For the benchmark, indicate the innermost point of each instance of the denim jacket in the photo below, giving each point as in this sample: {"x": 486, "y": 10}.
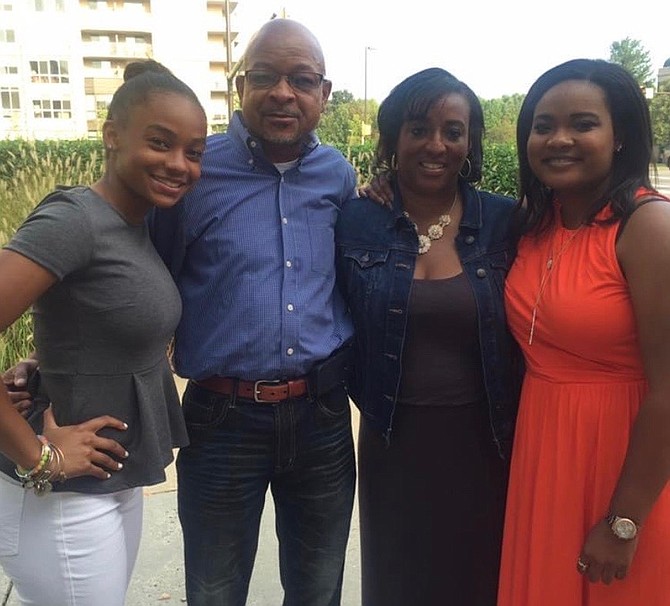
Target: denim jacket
{"x": 377, "y": 249}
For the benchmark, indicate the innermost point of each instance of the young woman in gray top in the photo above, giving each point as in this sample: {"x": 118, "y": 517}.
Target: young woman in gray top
{"x": 105, "y": 309}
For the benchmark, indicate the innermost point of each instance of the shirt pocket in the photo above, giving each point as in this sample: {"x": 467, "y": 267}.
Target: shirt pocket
{"x": 366, "y": 272}
{"x": 11, "y": 512}
{"x": 322, "y": 248}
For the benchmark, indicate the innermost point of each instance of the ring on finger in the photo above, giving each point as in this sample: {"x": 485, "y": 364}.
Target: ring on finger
{"x": 582, "y": 566}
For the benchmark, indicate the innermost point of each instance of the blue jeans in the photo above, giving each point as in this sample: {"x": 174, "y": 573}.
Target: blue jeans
{"x": 302, "y": 449}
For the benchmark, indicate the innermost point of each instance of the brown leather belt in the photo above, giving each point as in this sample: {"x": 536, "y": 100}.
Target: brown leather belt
{"x": 263, "y": 392}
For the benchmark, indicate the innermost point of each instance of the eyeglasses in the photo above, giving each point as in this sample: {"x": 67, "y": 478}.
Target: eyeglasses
{"x": 302, "y": 81}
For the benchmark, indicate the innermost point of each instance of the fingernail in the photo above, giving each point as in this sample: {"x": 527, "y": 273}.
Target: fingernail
{"x": 125, "y": 426}
{"x": 109, "y": 475}
{"x": 119, "y": 465}
{"x": 126, "y": 454}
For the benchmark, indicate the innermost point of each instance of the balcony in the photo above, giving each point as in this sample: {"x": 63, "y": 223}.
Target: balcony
{"x": 220, "y": 4}
{"x": 121, "y": 50}
{"x": 116, "y": 21}
{"x": 101, "y": 86}
{"x": 220, "y": 84}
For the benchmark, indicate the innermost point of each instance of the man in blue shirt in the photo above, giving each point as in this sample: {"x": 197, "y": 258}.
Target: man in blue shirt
{"x": 263, "y": 335}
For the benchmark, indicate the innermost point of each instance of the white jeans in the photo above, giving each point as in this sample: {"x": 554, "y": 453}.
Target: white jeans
{"x": 69, "y": 549}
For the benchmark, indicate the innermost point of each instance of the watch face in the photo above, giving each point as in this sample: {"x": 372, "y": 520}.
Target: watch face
{"x": 624, "y": 528}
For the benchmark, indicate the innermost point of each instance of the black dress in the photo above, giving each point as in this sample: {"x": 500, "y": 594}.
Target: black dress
{"x": 432, "y": 502}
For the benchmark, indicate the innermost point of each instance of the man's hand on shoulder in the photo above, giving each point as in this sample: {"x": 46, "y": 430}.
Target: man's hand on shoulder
{"x": 17, "y": 379}
{"x": 378, "y": 190}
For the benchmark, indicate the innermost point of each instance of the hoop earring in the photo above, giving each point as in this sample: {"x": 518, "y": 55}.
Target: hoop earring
{"x": 466, "y": 175}
{"x": 394, "y": 162}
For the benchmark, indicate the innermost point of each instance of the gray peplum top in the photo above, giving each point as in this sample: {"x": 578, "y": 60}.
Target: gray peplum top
{"x": 102, "y": 330}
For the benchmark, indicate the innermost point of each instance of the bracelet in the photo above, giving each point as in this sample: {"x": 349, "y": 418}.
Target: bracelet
{"x": 44, "y": 458}
{"x": 40, "y": 477}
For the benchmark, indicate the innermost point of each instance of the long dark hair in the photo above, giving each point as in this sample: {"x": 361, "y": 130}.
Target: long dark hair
{"x": 412, "y": 100}
{"x": 632, "y": 130}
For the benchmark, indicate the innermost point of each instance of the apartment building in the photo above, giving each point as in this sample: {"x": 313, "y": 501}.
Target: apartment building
{"x": 61, "y": 60}
{"x": 664, "y": 74}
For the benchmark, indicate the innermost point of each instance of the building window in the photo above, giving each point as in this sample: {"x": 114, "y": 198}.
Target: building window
{"x": 55, "y": 72}
{"x": 6, "y": 7}
{"x": 9, "y": 69}
{"x": 7, "y": 35}
{"x": 49, "y": 5}
{"x": 9, "y": 98}
{"x": 52, "y": 108}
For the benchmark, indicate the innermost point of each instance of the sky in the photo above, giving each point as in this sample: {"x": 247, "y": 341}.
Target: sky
{"x": 497, "y": 47}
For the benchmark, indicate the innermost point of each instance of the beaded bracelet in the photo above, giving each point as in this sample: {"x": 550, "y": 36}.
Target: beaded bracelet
{"x": 40, "y": 477}
{"x": 44, "y": 458}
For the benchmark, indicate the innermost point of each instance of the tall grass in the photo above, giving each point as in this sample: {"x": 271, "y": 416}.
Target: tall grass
{"x": 33, "y": 176}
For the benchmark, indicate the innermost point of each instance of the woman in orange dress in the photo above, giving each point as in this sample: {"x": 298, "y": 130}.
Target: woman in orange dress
{"x": 588, "y": 299}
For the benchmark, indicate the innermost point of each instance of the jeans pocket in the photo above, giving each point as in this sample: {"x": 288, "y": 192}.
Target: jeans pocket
{"x": 11, "y": 511}
{"x": 334, "y": 404}
{"x": 204, "y": 409}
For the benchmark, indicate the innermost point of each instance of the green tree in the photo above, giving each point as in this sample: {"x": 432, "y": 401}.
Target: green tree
{"x": 500, "y": 117}
{"x": 340, "y": 124}
{"x": 660, "y": 117}
{"x": 632, "y": 55}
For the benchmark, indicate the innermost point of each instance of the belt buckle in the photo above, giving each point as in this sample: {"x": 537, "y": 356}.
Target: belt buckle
{"x": 257, "y": 391}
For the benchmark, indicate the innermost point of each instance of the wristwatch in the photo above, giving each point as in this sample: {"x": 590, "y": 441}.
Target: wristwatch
{"x": 623, "y": 528}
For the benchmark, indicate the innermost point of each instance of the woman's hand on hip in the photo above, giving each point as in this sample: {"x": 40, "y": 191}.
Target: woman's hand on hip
{"x": 84, "y": 452}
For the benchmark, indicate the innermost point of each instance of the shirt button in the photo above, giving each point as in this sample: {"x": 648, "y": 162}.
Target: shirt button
{"x": 481, "y": 273}
{"x": 284, "y": 220}
{"x": 252, "y": 144}
{"x": 289, "y": 264}
{"x": 289, "y": 307}
{"x": 469, "y": 239}
{"x": 289, "y": 351}
{"x": 365, "y": 258}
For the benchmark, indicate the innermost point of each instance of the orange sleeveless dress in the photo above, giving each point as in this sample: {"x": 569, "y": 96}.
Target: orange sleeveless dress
{"x": 583, "y": 388}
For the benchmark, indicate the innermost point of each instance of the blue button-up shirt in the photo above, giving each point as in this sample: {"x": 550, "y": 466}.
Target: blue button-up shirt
{"x": 252, "y": 251}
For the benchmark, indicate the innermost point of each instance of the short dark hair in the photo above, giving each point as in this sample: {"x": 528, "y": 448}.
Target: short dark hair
{"x": 412, "y": 99}
{"x": 142, "y": 79}
{"x": 632, "y": 130}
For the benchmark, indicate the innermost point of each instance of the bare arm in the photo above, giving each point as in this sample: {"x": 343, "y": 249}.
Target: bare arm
{"x": 644, "y": 254}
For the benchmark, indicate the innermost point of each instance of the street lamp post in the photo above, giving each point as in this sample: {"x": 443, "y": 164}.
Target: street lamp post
{"x": 365, "y": 128}
{"x": 365, "y": 85}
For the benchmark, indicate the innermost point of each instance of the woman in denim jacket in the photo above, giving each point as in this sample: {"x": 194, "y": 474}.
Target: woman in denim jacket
{"x": 435, "y": 373}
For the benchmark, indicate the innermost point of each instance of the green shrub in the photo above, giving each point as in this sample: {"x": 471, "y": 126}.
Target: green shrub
{"x": 30, "y": 171}
{"x": 361, "y": 158}
{"x": 20, "y": 154}
{"x": 500, "y": 170}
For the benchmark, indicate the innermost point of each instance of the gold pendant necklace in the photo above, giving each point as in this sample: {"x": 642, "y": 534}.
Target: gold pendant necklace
{"x": 436, "y": 230}
{"x": 552, "y": 260}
